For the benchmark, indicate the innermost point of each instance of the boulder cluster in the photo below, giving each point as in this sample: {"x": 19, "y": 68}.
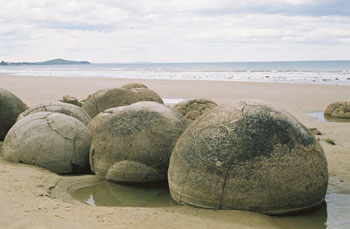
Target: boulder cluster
{"x": 247, "y": 155}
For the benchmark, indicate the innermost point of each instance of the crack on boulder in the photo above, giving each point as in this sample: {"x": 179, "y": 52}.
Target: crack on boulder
{"x": 58, "y": 132}
{"x": 231, "y": 161}
{"x": 96, "y": 106}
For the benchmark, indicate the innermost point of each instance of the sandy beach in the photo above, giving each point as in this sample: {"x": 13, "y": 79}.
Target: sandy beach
{"x": 26, "y": 192}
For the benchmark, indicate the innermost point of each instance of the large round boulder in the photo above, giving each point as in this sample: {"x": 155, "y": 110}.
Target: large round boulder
{"x": 59, "y": 107}
{"x": 248, "y": 155}
{"x": 194, "y": 108}
{"x": 10, "y": 107}
{"x": 50, "y": 140}
{"x": 145, "y": 93}
{"x": 133, "y": 143}
{"x": 108, "y": 98}
{"x": 339, "y": 110}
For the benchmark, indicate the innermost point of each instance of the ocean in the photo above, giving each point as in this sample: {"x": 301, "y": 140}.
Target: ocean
{"x": 313, "y": 72}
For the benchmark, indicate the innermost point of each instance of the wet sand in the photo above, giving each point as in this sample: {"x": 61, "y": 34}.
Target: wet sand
{"x": 27, "y": 193}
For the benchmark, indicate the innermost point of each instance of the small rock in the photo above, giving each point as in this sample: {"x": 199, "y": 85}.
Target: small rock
{"x": 71, "y": 100}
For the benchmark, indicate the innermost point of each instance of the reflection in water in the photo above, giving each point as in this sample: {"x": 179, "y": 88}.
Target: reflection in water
{"x": 125, "y": 195}
{"x": 335, "y": 213}
{"x": 324, "y": 118}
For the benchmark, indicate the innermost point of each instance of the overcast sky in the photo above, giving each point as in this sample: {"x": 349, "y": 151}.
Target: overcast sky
{"x": 174, "y": 30}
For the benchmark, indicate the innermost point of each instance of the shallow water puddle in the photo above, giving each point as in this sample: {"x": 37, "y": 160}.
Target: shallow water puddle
{"x": 321, "y": 118}
{"x": 335, "y": 213}
{"x": 172, "y": 101}
{"x": 112, "y": 194}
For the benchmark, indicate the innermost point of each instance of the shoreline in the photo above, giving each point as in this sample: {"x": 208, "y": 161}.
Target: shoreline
{"x": 23, "y": 188}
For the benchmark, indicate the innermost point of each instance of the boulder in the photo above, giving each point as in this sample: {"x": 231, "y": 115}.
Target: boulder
{"x": 248, "y": 155}
{"x": 193, "y": 108}
{"x": 54, "y": 141}
{"x": 10, "y": 107}
{"x": 134, "y": 85}
{"x": 133, "y": 143}
{"x": 339, "y": 110}
{"x": 144, "y": 93}
{"x": 58, "y": 107}
{"x": 108, "y": 98}
{"x": 71, "y": 100}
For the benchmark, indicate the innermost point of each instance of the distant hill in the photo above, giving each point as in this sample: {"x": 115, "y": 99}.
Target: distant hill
{"x": 49, "y": 62}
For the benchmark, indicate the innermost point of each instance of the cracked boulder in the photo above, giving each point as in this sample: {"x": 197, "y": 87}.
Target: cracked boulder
{"x": 54, "y": 141}
{"x": 59, "y": 107}
{"x": 248, "y": 155}
{"x": 194, "y": 108}
{"x": 339, "y": 110}
{"x": 108, "y": 98}
{"x": 133, "y": 143}
{"x": 10, "y": 107}
{"x": 145, "y": 93}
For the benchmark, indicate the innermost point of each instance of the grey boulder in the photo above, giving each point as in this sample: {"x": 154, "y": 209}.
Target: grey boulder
{"x": 10, "y": 107}
{"x": 339, "y": 110}
{"x": 134, "y": 85}
{"x": 108, "y": 98}
{"x": 59, "y": 107}
{"x": 133, "y": 143}
{"x": 194, "y": 108}
{"x": 144, "y": 92}
{"x": 248, "y": 155}
{"x": 54, "y": 141}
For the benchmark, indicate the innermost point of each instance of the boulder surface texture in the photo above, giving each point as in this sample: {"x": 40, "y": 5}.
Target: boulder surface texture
{"x": 144, "y": 92}
{"x": 59, "y": 107}
{"x": 248, "y": 155}
{"x": 338, "y": 110}
{"x": 108, "y": 98}
{"x": 10, "y": 107}
{"x": 194, "y": 108}
{"x": 133, "y": 143}
{"x": 54, "y": 141}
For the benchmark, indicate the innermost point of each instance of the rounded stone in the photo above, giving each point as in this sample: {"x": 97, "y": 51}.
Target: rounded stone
{"x": 10, "y": 107}
{"x": 54, "y": 141}
{"x": 144, "y": 93}
{"x": 194, "y": 108}
{"x": 108, "y": 98}
{"x": 133, "y": 143}
{"x": 339, "y": 110}
{"x": 134, "y": 85}
{"x": 71, "y": 100}
{"x": 248, "y": 155}
{"x": 59, "y": 107}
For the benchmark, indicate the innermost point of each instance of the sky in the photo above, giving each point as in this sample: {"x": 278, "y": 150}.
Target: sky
{"x": 109, "y": 31}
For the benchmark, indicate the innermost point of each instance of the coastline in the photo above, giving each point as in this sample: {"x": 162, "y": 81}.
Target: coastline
{"x": 25, "y": 202}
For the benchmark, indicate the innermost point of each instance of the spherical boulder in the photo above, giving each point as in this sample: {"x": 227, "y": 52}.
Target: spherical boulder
{"x": 108, "y": 98}
{"x": 145, "y": 93}
{"x": 134, "y": 85}
{"x": 133, "y": 143}
{"x": 248, "y": 155}
{"x": 59, "y": 107}
{"x": 54, "y": 141}
{"x": 339, "y": 110}
{"x": 194, "y": 108}
{"x": 10, "y": 107}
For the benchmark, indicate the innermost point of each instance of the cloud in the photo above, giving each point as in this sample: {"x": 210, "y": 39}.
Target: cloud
{"x": 169, "y": 30}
